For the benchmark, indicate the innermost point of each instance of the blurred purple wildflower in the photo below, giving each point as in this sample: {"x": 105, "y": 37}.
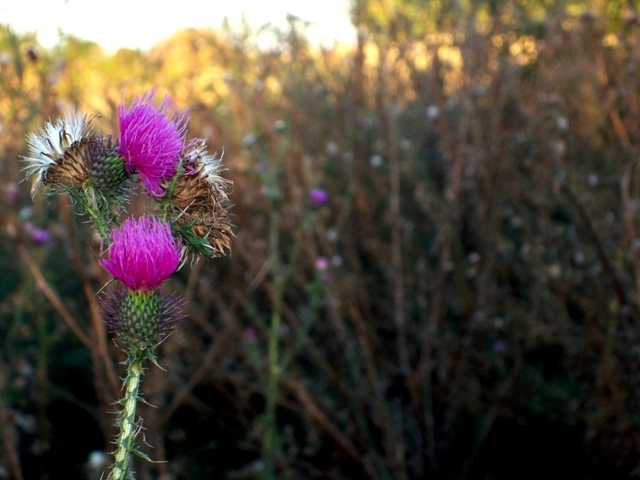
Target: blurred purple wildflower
{"x": 12, "y": 193}
{"x": 143, "y": 253}
{"x": 151, "y": 140}
{"x": 499, "y": 346}
{"x": 40, "y": 236}
{"x": 250, "y": 335}
{"x": 318, "y": 197}
{"x": 20, "y": 382}
{"x": 322, "y": 264}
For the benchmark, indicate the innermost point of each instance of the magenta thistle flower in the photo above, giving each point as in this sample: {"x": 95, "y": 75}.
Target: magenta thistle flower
{"x": 143, "y": 253}
{"x": 151, "y": 140}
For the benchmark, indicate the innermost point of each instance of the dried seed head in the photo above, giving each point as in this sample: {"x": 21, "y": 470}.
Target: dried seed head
{"x": 199, "y": 200}
{"x": 71, "y": 168}
{"x": 60, "y": 152}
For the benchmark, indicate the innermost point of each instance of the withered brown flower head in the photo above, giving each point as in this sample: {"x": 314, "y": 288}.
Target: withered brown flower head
{"x": 200, "y": 198}
{"x": 59, "y": 152}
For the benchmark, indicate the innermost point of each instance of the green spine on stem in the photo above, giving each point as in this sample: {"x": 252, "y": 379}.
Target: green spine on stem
{"x": 89, "y": 206}
{"x": 125, "y": 441}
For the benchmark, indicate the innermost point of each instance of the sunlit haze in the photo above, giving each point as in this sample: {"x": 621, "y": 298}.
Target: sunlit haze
{"x": 143, "y": 23}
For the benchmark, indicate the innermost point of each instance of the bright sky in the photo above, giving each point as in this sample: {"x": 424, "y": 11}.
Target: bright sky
{"x": 142, "y": 23}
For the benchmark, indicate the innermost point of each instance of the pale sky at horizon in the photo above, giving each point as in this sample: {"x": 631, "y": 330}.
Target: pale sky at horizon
{"x": 142, "y": 24}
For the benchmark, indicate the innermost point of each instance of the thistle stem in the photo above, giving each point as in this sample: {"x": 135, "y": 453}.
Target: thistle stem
{"x": 99, "y": 222}
{"x": 281, "y": 276}
{"x": 127, "y": 422}
{"x": 271, "y": 436}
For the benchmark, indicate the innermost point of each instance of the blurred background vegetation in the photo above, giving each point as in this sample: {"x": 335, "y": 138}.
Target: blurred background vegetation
{"x": 464, "y": 306}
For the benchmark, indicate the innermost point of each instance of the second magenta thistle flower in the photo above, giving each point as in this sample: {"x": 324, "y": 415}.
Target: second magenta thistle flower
{"x": 151, "y": 140}
{"x": 142, "y": 255}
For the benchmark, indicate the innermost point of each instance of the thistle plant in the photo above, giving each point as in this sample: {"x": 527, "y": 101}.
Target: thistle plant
{"x": 142, "y": 255}
{"x": 190, "y": 219}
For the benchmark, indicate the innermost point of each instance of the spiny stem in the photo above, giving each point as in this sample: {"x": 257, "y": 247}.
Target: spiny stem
{"x": 270, "y": 436}
{"x": 281, "y": 276}
{"x": 100, "y": 223}
{"x": 128, "y": 427}
{"x": 270, "y": 440}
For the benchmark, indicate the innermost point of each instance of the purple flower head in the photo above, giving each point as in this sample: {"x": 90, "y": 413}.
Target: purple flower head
{"x": 151, "y": 140}
{"x": 143, "y": 253}
{"x": 499, "y": 346}
{"x": 250, "y": 335}
{"x": 322, "y": 264}
{"x": 326, "y": 277}
{"x": 12, "y": 193}
{"x": 318, "y": 197}
{"x": 40, "y": 236}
